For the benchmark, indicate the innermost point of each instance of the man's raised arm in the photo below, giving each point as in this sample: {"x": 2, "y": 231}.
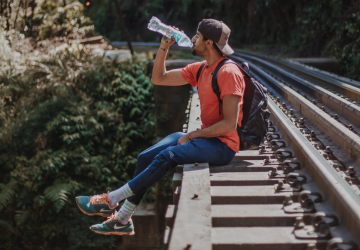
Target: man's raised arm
{"x": 159, "y": 75}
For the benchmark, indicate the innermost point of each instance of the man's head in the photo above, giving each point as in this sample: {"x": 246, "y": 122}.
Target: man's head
{"x": 212, "y": 35}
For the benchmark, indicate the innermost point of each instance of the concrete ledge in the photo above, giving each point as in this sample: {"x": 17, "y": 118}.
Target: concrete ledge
{"x": 192, "y": 227}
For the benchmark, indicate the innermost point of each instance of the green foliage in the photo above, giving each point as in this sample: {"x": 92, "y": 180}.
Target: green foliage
{"x": 42, "y": 19}
{"x": 308, "y": 28}
{"x": 54, "y": 21}
{"x": 332, "y": 28}
{"x": 318, "y": 25}
{"x": 348, "y": 50}
{"x": 70, "y": 124}
{"x": 184, "y": 14}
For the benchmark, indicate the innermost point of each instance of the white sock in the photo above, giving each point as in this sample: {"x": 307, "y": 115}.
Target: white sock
{"x": 120, "y": 194}
{"x": 125, "y": 212}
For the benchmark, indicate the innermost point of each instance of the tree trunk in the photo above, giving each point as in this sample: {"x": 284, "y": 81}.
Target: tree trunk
{"x": 17, "y": 14}
{"x": 25, "y": 2}
{"x": 8, "y": 14}
{"x": 1, "y": 7}
{"x": 122, "y": 22}
{"x": 32, "y": 5}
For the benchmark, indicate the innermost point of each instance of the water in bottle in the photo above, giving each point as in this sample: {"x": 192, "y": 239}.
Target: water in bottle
{"x": 156, "y": 25}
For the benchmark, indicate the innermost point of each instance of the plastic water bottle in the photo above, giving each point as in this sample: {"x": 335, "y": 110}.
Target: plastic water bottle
{"x": 156, "y": 25}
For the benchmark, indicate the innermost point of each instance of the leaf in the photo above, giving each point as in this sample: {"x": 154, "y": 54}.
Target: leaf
{"x": 7, "y": 193}
{"x": 58, "y": 195}
{"x": 21, "y": 217}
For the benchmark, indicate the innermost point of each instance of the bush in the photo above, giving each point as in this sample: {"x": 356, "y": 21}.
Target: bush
{"x": 54, "y": 21}
{"x": 347, "y": 49}
{"x": 70, "y": 124}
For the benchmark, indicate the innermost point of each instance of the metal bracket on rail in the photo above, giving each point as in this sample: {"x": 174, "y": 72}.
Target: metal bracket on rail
{"x": 305, "y": 205}
{"x": 282, "y": 155}
{"x": 287, "y": 166}
{"x": 295, "y": 187}
{"x": 350, "y": 176}
{"x": 264, "y": 150}
{"x": 290, "y": 165}
{"x": 275, "y": 174}
{"x": 277, "y": 144}
{"x": 320, "y": 228}
{"x": 335, "y": 164}
{"x": 291, "y": 178}
{"x": 272, "y": 136}
{"x": 328, "y": 154}
{"x": 271, "y": 129}
{"x": 300, "y": 123}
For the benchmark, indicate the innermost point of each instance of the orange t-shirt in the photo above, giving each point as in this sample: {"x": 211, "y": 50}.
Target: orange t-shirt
{"x": 230, "y": 81}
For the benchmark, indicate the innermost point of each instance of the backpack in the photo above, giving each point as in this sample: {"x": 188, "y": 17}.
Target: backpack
{"x": 255, "y": 113}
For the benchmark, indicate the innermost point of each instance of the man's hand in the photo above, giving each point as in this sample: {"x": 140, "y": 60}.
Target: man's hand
{"x": 184, "y": 139}
{"x": 167, "y": 42}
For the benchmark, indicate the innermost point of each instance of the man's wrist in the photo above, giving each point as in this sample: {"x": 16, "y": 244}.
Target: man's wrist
{"x": 190, "y": 137}
{"x": 164, "y": 48}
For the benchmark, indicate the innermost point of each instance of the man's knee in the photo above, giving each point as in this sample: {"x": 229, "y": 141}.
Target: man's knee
{"x": 177, "y": 135}
{"x": 174, "y": 155}
{"x": 141, "y": 157}
{"x": 142, "y": 163}
{"x": 165, "y": 159}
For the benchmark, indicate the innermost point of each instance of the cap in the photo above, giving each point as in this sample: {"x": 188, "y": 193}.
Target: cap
{"x": 218, "y": 32}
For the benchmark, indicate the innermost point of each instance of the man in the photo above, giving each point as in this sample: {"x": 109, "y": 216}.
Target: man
{"x": 216, "y": 142}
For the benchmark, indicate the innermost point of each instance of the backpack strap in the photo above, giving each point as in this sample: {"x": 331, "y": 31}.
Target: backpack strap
{"x": 214, "y": 82}
{"x": 199, "y": 71}
{"x": 248, "y": 93}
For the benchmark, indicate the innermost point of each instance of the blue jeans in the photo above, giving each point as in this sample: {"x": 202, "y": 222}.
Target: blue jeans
{"x": 153, "y": 163}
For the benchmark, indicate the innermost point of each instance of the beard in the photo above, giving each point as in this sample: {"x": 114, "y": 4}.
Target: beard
{"x": 196, "y": 52}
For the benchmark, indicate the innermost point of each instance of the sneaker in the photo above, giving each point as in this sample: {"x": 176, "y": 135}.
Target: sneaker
{"x": 95, "y": 205}
{"x": 112, "y": 226}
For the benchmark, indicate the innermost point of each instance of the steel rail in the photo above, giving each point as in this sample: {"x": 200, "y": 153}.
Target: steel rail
{"x": 347, "y": 109}
{"x": 338, "y": 81}
{"x": 349, "y": 87}
{"x": 339, "y": 194}
{"x": 311, "y": 69}
{"x": 341, "y": 135}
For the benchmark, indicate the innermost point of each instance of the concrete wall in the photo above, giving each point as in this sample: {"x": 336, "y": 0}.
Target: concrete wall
{"x": 171, "y": 102}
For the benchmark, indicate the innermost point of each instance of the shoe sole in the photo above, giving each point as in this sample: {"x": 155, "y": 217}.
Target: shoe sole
{"x": 114, "y": 233}
{"x": 100, "y": 214}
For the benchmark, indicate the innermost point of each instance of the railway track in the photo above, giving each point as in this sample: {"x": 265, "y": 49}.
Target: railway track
{"x": 297, "y": 191}
{"x": 332, "y": 105}
{"x": 308, "y": 101}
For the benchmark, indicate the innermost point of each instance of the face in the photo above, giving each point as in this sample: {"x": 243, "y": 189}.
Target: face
{"x": 199, "y": 47}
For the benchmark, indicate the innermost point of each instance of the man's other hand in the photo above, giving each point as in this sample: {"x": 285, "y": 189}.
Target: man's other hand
{"x": 184, "y": 139}
{"x": 167, "y": 42}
